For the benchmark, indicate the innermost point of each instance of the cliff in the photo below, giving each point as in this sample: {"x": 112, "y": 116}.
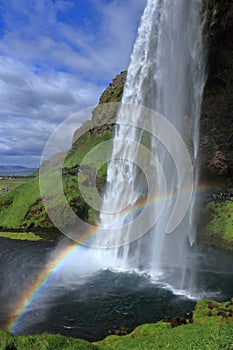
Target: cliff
{"x": 113, "y": 93}
{"x": 216, "y": 124}
{"x": 23, "y": 207}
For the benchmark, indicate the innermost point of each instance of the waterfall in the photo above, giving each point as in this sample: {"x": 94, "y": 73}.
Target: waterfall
{"x": 167, "y": 75}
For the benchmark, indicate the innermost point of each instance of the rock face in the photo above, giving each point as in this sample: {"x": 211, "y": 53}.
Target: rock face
{"x": 216, "y": 124}
{"x": 115, "y": 90}
{"x": 105, "y": 113}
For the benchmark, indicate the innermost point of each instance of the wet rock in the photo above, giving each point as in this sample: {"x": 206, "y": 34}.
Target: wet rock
{"x": 222, "y": 313}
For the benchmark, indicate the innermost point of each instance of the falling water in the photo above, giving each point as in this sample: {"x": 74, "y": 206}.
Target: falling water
{"x": 166, "y": 74}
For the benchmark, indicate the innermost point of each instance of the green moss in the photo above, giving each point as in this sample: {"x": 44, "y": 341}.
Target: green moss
{"x": 102, "y": 171}
{"x": 93, "y": 216}
{"x": 203, "y": 309}
{"x": 22, "y": 236}
{"x": 219, "y": 228}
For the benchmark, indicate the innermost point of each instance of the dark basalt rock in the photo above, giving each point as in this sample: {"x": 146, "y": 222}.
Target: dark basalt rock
{"x": 216, "y": 124}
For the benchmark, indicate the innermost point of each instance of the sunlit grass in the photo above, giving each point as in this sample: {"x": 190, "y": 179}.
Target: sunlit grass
{"x": 22, "y": 236}
{"x": 16, "y": 204}
{"x": 22, "y": 206}
{"x": 12, "y": 182}
{"x": 219, "y": 229}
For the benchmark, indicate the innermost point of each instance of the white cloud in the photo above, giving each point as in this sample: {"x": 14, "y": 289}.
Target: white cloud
{"x": 52, "y": 66}
{"x": 52, "y": 95}
{"x": 92, "y": 49}
{"x": 32, "y": 106}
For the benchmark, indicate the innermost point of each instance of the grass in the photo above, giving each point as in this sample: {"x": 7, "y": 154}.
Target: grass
{"x": 42, "y": 342}
{"x": 209, "y": 331}
{"x": 13, "y": 182}
{"x": 22, "y": 236}
{"x": 84, "y": 145}
{"x": 22, "y": 206}
{"x": 219, "y": 228}
{"x": 15, "y": 204}
{"x": 113, "y": 95}
{"x": 208, "y": 336}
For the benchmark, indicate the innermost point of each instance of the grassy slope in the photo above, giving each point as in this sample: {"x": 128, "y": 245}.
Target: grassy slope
{"x": 84, "y": 145}
{"x": 210, "y": 336}
{"x": 15, "y": 204}
{"x": 13, "y": 182}
{"x": 22, "y": 206}
{"x": 209, "y": 331}
{"x": 219, "y": 227}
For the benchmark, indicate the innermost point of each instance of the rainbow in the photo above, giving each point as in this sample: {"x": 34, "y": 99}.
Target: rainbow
{"x": 42, "y": 281}
{"x": 46, "y": 276}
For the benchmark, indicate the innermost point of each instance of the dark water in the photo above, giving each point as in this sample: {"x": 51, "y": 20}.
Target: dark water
{"x": 89, "y": 303}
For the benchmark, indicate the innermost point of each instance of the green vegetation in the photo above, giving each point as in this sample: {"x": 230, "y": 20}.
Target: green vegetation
{"x": 42, "y": 342}
{"x": 208, "y": 336}
{"x": 84, "y": 145}
{"x": 16, "y": 204}
{"x": 11, "y": 182}
{"x": 114, "y": 91}
{"x": 113, "y": 95}
{"x": 22, "y": 236}
{"x": 210, "y": 329}
{"x": 218, "y": 229}
{"x": 22, "y": 206}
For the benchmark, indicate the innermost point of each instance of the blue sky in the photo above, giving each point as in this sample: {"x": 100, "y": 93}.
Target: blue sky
{"x": 56, "y": 58}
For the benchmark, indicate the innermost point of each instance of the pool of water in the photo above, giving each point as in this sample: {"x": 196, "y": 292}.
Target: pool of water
{"x": 83, "y": 299}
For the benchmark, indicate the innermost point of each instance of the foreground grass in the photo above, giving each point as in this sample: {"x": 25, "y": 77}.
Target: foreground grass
{"x": 208, "y": 336}
{"x": 22, "y": 236}
{"x": 42, "y": 342}
{"x": 212, "y": 329}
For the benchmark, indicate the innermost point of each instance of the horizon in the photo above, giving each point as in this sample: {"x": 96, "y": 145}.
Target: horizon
{"x": 16, "y": 165}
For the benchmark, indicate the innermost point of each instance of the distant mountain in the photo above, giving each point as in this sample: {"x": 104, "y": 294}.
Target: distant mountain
{"x": 15, "y": 170}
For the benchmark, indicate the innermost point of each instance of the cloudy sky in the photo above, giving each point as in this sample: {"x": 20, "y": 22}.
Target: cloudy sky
{"x": 56, "y": 58}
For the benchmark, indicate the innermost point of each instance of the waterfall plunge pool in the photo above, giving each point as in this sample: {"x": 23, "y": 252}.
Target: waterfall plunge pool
{"x": 81, "y": 298}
